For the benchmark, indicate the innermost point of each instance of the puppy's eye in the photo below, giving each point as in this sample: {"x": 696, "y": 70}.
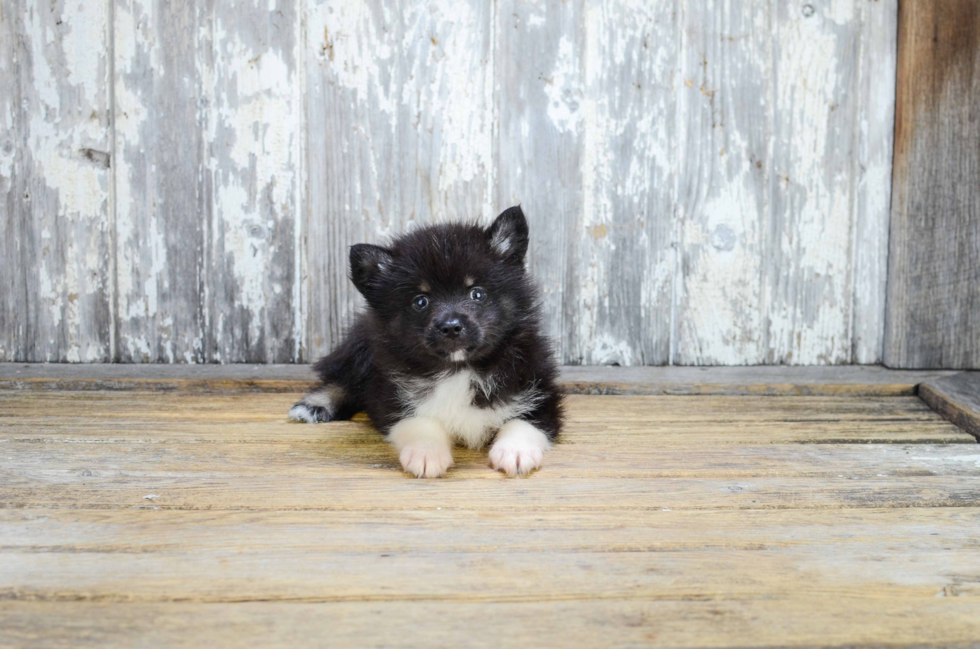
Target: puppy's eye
{"x": 478, "y": 294}
{"x": 420, "y": 302}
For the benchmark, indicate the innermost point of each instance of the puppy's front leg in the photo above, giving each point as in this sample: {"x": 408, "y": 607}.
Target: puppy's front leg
{"x": 423, "y": 445}
{"x": 519, "y": 448}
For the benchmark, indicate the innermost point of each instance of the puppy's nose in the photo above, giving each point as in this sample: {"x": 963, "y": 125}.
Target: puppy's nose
{"x": 450, "y": 327}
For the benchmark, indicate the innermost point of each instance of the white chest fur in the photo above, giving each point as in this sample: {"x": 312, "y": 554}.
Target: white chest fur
{"x": 449, "y": 400}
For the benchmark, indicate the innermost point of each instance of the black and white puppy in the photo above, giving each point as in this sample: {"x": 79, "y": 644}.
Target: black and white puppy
{"x": 449, "y": 350}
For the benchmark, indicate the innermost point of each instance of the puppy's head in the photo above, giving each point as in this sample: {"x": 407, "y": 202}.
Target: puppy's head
{"x": 448, "y": 294}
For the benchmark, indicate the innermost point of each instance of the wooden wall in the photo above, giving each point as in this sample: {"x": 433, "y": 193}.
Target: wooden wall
{"x": 934, "y": 270}
{"x": 708, "y": 181}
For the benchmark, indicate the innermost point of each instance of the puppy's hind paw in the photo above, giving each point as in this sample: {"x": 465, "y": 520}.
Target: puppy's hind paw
{"x": 307, "y": 414}
{"x": 318, "y": 406}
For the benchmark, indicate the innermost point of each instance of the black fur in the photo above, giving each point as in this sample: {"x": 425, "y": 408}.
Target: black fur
{"x": 500, "y": 333}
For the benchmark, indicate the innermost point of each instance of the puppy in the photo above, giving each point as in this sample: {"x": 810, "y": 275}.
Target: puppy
{"x": 449, "y": 350}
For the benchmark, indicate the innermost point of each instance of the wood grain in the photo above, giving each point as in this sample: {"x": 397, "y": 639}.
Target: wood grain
{"x": 162, "y": 62}
{"x": 177, "y": 518}
{"x": 253, "y": 140}
{"x": 823, "y": 621}
{"x": 873, "y": 151}
{"x": 539, "y": 82}
{"x": 725, "y": 111}
{"x": 55, "y": 182}
{"x": 621, "y": 453}
{"x": 787, "y": 531}
{"x": 784, "y": 158}
{"x": 776, "y": 380}
{"x": 957, "y": 398}
{"x": 707, "y": 182}
{"x": 934, "y": 256}
{"x": 809, "y": 284}
{"x": 488, "y": 573}
{"x": 399, "y": 134}
{"x": 592, "y": 83}
{"x": 208, "y": 182}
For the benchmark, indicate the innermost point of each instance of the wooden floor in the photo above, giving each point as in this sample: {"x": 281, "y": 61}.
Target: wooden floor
{"x": 139, "y": 519}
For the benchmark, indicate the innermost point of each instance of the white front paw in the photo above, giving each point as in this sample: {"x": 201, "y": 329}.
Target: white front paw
{"x": 426, "y": 462}
{"x": 424, "y": 448}
{"x": 519, "y": 448}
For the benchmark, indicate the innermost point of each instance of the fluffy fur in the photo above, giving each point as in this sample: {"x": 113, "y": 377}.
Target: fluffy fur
{"x": 448, "y": 350}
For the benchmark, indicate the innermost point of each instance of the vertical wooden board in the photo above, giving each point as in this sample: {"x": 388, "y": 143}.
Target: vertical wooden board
{"x": 621, "y": 265}
{"x": 163, "y": 191}
{"x": 808, "y": 269}
{"x": 792, "y": 145}
{"x": 400, "y": 119}
{"x": 875, "y": 123}
{"x": 809, "y": 285}
{"x": 55, "y": 288}
{"x": 725, "y": 117}
{"x": 933, "y": 317}
{"x": 254, "y": 140}
{"x": 539, "y": 81}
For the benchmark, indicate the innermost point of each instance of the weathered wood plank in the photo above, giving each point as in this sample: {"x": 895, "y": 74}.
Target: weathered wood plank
{"x": 934, "y": 253}
{"x": 539, "y": 83}
{"x": 809, "y": 272}
{"x": 957, "y": 398}
{"x": 760, "y": 380}
{"x": 246, "y": 408}
{"x": 649, "y": 507}
{"x": 769, "y": 380}
{"x": 617, "y": 314}
{"x": 82, "y": 531}
{"x": 584, "y": 143}
{"x": 164, "y": 214}
{"x": 209, "y": 136}
{"x": 242, "y": 573}
{"x": 55, "y": 182}
{"x": 254, "y": 138}
{"x": 827, "y": 620}
{"x": 780, "y": 169}
{"x": 875, "y": 125}
{"x": 419, "y": 113}
{"x": 494, "y": 497}
{"x": 358, "y": 453}
{"x": 400, "y": 120}
{"x": 725, "y": 115}
{"x": 236, "y": 452}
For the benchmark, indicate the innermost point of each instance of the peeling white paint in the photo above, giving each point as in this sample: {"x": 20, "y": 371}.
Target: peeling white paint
{"x": 564, "y": 89}
{"x": 606, "y": 350}
{"x": 876, "y": 119}
{"x": 722, "y": 287}
{"x": 63, "y": 97}
{"x": 346, "y": 36}
{"x": 639, "y": 94}
{"x": 466, "y": 150}
{"x": 626, "y": 170}
{"x": 812, "y": 326}
{"x": 255, "y": 166}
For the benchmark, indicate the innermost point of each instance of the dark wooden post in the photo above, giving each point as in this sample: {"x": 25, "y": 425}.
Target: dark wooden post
{"x": 933, "y": 311}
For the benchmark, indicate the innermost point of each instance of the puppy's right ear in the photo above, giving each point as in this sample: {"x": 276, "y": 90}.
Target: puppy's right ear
{"x": 509, "y": 234}
{"x": 367, "y": 265}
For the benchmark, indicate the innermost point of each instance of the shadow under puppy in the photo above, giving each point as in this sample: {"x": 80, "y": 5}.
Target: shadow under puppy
{"x": 448, "y": 350}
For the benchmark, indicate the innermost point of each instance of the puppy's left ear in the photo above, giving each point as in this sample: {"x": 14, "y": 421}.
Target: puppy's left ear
{"x": 509, "y": 235}
{"x": 367, "y": 266}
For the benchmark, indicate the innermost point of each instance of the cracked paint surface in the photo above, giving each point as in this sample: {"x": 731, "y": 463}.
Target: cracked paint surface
{"x": 707, "y": 182}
